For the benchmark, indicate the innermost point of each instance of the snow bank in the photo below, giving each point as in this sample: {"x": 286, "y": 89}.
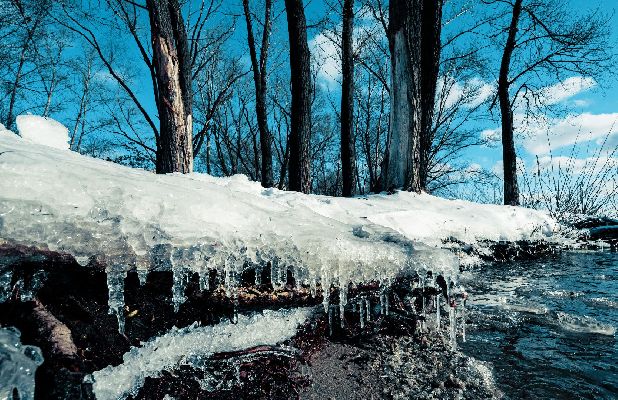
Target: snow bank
{"x": 135, "y": 219}
{"x": 191, "y": 346}
{"x": 418, "y": 217}
{"x": 43, "y": 131}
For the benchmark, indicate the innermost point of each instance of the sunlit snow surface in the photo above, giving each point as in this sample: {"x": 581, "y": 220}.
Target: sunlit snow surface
{"x": 43, "y": 131}
{"x": 191, "y": 345}
{"x": 88, "y": 207}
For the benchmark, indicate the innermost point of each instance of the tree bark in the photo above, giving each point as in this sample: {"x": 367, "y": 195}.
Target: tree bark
{"x": 509, "y": 157}
{"x": 430, "y": 68}
{"x": 348, "y": 148}
{"x": 172, "y": 65}
{"x": 299, "y": 166}
{"x": 403, "y": 153}
{"x": 260, "y": 80}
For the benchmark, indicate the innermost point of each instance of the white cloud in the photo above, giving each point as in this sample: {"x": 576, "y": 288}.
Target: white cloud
{"x": 576, "y": 166}
{"x": 326, "y": 58}
{"x": 470, "y": 93}
{"x": 498, "y": 167}
{"x": 543, "y": 136}
{"x": 567, "y": 89}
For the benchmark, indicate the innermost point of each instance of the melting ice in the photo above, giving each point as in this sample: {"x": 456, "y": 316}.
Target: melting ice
{"x": 18, "y": 363}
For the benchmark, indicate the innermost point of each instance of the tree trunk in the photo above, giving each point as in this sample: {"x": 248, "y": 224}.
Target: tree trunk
{"x": 10, "y": 124}
{"x": 260, "y": 80}
{"x": 402, "y": 158}
{"x": 430, "y": 68}
{"x": 299, "y": 166}
{"x": 348, "y": 153}
{"x": 509, "y": 157}
{"x": 173, "y": 71}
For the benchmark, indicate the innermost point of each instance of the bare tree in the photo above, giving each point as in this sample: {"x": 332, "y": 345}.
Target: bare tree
{"x": 27, "y": 22}
{"x": 172, "y": 66}
{"x": 402, "y": 160}
{"x": 348, "y": 143}
{"x": 299, "y": 168}
{"x": 260, "y": 81}
{"x": 430, "y": 68}
{"x": 545, "y": 41}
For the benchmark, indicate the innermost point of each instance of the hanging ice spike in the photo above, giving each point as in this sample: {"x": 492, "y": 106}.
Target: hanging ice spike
{"x": 115, "y": 290}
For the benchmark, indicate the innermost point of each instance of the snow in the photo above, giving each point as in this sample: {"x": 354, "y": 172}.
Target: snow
{"x": 42, "y": 130}
{"x": 196, "y": 223}
{"x": 192, "y": 346}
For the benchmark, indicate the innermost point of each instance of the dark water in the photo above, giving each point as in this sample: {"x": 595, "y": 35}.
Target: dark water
{"x": 548, "y": 327}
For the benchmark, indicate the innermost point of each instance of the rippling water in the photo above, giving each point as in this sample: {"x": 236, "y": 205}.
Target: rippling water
{"x": 548, "y": 327}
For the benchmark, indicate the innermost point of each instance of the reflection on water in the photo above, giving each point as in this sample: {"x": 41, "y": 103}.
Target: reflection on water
{"x": 548, "y": 327}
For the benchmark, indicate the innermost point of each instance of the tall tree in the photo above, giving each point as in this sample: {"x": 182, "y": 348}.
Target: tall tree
{"x": 430, "y": 68}
{"x": 403, "y": 153}
{"x": 544, "y": 42}
{"x": 172, "y": 66}
{"x": 260, "y": 81}
{"x": 299, "y": 166}
{"x": 509, "y": 158}
{"x": 26, "y": 23}
{"x": 414, "y": 40}
{"x": 348, "y": 143}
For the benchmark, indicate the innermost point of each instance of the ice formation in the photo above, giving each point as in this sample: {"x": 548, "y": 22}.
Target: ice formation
{"x": 43, "y": 131}
{"x": 196, "y": 223}
{"x": 18, "y": 364}
{"x": 192, "y": 346}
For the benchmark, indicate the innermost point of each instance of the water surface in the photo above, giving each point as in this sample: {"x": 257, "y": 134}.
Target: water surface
{"x": 549, "y": 326}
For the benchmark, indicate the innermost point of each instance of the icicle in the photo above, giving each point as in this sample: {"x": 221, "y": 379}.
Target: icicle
{"x": 330, "y": 320}
{"x": 235, "y": 307}
{"x": 438, "y": 311}
{"x": 424, "y": 319}
{"x": 179, "y": 282}
{"x": 274, "y": 273}
{"x": 453, "y": 327}
{"x": 237, "y": 371}
{"x": 142, "y": 275}
{"x": 463, "y": 320}
{"x": 386, "y": 303}
{"x": 205, "y": 279}
{"x": 313, "y": 287}
{"x": 361, "y": 313}
{"x": 325, "y": 294}
{"x": 382, "y": 304}
{"x": 283, "y": 275}
{"x": 258, "y": 275}
{"x": 343, "y": 301}
{"x": 368, "y": 308}
{"x": 231, "y": 270}
{"x": 115, "y": 288}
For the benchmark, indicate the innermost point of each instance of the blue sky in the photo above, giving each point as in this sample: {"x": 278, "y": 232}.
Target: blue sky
{"x": 589, "y": 107}
{"x": 587, "y": 110}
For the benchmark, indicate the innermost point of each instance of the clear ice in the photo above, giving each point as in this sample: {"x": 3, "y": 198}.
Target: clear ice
{"x": 192, "y": 346}
{"x": 18, "y": 364}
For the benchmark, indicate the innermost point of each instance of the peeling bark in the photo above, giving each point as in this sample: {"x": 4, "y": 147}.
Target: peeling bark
{"x": 172, "y": 65}
{"x": 402, "y": 158}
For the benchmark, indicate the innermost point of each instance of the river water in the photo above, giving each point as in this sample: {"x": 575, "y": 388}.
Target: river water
{"x": 548, "y": 327}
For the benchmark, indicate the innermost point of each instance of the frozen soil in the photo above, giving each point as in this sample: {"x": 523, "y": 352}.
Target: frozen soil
{"x": 388, "y": 367}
